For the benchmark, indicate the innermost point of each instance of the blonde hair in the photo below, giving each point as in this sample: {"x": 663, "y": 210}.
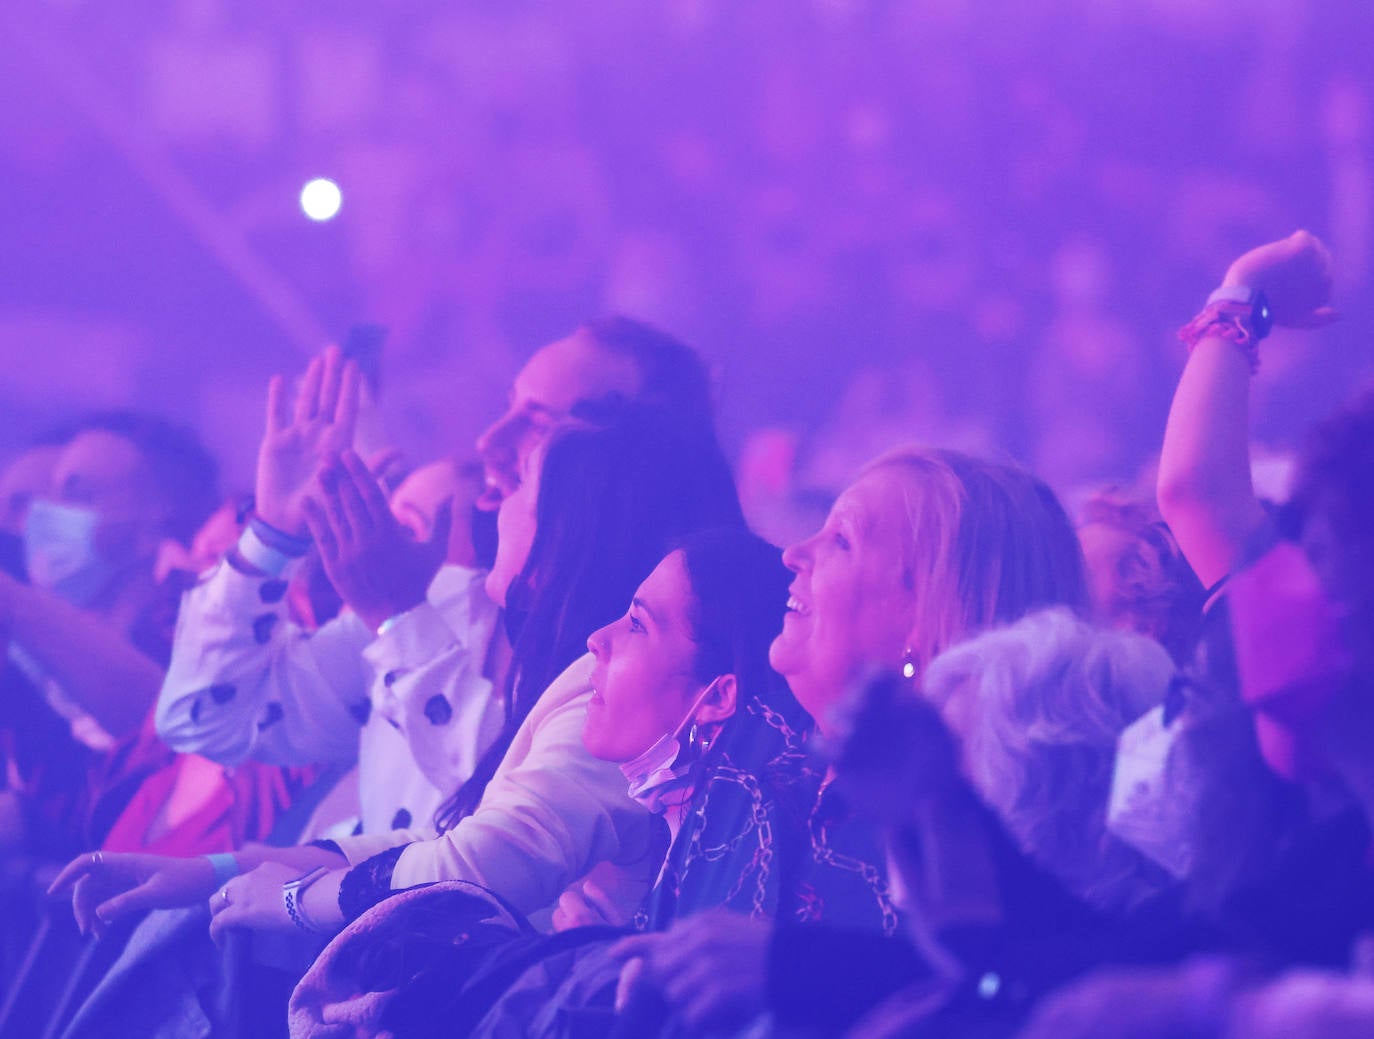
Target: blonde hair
{"x": 988, "y": 542}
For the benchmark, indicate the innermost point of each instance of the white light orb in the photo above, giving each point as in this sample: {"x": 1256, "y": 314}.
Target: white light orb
{"x": 321, "y": 199}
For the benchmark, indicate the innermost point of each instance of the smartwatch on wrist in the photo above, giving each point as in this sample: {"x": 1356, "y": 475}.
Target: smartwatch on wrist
{"x": 1261, "y": 317}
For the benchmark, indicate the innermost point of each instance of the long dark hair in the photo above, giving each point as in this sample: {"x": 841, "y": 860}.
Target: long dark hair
{"x": 739, "y": 597}
{"x": 615, "y": 494}
{"x": 724, "y": 854}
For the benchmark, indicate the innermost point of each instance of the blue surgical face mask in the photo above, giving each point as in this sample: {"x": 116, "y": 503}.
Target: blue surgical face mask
{"x": 60, "y": 551}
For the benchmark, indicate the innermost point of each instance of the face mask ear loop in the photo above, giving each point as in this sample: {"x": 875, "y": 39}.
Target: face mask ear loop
{"x": 697, "y": 744}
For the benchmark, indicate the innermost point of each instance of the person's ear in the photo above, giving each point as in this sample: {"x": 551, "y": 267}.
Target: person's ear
{"x": 720, "y": 702}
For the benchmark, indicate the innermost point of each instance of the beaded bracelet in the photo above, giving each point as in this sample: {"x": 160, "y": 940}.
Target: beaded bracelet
{"x": 1226, "y": 317}
{"x": 293, "y": 895}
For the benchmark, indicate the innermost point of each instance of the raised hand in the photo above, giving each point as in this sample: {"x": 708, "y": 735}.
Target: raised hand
{"x": 1295, "y": 274}
{"x": 378, "y": 568}
{"x": 299, "y": 439}
{"x": 106, "y": 886}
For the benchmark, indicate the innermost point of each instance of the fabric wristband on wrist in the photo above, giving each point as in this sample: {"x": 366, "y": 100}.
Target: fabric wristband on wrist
{"x": 275, "y": 537}
{"x": 269, "y": 558}
{"x": 226, "y": 867}
{"x": 1228, "y": 321}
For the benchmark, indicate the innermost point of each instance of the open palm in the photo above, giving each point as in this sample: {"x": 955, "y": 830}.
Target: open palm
{"x": 298, "y": 439}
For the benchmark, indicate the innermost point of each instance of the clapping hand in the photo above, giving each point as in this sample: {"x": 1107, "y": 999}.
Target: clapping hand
{"x": 373, "y": 561}
{"x": 299, "y": 439}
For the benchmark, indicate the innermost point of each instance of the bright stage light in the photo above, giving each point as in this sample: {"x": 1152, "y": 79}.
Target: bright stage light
{"x": 321, "y": 199}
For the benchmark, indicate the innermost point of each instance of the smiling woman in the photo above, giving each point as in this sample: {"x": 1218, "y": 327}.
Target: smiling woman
{"x": 704, "y": 730}
{"x": 925, "y": 548}
{"x": 644, "y": 686}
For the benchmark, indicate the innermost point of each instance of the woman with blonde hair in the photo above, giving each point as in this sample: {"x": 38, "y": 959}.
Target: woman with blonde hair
{"x": 924, "y": 549}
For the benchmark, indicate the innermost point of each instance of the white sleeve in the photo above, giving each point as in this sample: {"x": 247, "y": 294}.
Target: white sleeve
{"x": 433, "y": 691}
{"x": 549, "y": 815}
{"x": 244, "y": 682}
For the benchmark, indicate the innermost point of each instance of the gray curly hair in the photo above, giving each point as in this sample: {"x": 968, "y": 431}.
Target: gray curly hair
{"x": 1038, "y": 706}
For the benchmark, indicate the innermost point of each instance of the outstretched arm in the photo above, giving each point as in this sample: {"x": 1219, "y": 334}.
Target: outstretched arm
{"x": 90, "y": 658}
{"x": 1205, "y": 493}
{"x": 243, "y": 681}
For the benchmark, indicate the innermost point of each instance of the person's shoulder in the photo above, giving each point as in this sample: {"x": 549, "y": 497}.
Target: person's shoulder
{"x": 573, "y": 687}
{"x": 454, "y": 581}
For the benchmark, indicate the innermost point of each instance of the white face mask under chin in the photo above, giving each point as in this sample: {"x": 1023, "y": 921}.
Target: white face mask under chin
{"x": 1155, "y": 792}
{"x": 657, "y": 779}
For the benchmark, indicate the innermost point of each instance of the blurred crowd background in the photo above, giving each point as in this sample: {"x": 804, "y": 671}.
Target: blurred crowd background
{"x": 972, "y": 222}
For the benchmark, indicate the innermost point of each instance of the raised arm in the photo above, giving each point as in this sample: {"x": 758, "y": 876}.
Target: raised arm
{"x": 243, "y": 681}
{"x": 1205, "y": 493}
{"x": 89, "y": 657}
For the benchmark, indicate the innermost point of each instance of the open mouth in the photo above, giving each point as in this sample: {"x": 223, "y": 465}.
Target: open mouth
{"x": 495, "y": 487}
{"x": 795, "y": 605}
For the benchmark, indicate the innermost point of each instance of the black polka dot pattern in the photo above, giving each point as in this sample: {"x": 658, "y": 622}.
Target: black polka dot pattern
{"x": 389, "y": 679}
{"x": 262, "y": 628}
{"x": 220, "y": 694}
{"x": 272, "y": 714}
{"x": 400, "y": 820}
{"x": 272, "y": 591}
{"x": 438, "y": 710}
{"x": 361, "y": 711}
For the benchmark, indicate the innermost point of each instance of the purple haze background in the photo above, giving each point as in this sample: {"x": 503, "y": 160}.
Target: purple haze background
{"x": 964, "y": 221}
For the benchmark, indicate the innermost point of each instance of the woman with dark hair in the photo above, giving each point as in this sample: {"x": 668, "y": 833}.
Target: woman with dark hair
{"x": 704, "y": 730}
{"x": 707, "y": 737}
{"x": 599, "y": 506}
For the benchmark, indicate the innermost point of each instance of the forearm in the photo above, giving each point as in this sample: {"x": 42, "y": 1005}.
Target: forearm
{"x": 236, "y": 654}
{"x": 1204, "y": 490}
{"x": 945, "y": 861}
{"x": 93, "y": 662}
{"x": 321, "y": 902}
{"x": 303, "y": 857}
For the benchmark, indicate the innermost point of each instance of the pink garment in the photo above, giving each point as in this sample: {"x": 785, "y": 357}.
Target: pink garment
{"x": 1290, "y": 654}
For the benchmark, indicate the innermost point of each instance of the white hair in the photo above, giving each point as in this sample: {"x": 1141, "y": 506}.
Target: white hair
{"x": 1038, "y": 706}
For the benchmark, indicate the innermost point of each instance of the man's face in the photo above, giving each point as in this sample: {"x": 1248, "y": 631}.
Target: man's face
{"x": 105, "y": 473}
{"x": 545, "y": 391}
